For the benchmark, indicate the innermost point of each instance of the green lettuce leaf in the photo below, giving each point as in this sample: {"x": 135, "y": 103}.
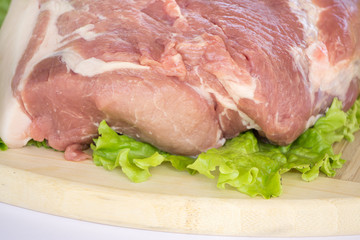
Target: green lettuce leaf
{"x": 32, "y": 142}
{"x": 244, "y": 166}
{"x": 43, "y": 144}
{"x": 313, "y": 151}
{"x": 135, "y": 158}
{"x": 254, "y": 168}
{"x": 3, "y": 146}
{"x": 243, "y": 163}
{"x": 4, "y": 6}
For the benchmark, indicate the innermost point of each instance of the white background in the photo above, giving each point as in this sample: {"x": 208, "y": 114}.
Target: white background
{"x": 18, "y": 223}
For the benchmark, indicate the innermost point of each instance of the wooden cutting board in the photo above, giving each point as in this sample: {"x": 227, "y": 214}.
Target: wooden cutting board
{"x": 42, "y": 180}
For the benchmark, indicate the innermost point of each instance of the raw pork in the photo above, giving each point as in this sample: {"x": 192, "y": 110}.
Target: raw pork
{"x": 183, "y": 75}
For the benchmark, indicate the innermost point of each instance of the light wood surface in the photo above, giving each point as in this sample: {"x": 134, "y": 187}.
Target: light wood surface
{"x": 42, "y": 180}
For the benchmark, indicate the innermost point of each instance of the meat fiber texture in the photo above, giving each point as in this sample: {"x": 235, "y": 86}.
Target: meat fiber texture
{"x": 182, "y": 75}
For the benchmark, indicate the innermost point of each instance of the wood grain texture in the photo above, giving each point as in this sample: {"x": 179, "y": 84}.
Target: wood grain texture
{"x": 174, "y": 201}
{"x": 351, "y": 153}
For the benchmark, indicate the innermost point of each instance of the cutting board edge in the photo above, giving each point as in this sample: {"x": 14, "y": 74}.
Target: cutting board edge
{"x": 182, "y": 214}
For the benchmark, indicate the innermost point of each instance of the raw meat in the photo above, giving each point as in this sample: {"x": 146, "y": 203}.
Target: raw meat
{"x": 182, "y": 75}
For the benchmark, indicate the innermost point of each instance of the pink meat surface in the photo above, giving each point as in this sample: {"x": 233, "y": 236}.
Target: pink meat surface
{"x": 184, "y": 75}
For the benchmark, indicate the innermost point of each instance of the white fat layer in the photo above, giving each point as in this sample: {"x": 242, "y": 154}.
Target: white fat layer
{"x": 13, "y": 121}
{"x": 14, "y": 125}
{"x": 239, "y": 90}
{"x": 325, "y": 77}
{"x": 86, "y": 32}
{"x": 53, "y": 41}
{"x": 312, "y": 120}
{"x": 308, "y": 15}
{"x": 225, "y": 101}
{"x": 313, "y": 62}
{"x": 221, "y": 140}
{"x": 93, "y": 66}
{"x": 52, "y": 37}
{"x": 300, "y": 62}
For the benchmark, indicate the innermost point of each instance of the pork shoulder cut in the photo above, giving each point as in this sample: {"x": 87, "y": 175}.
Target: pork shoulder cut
{"x": 183, "y": 75}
